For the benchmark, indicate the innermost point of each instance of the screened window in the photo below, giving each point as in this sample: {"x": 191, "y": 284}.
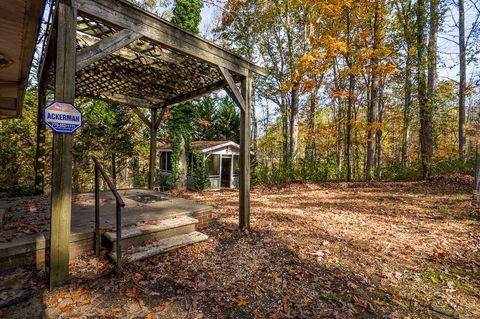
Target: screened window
{"x": 236, "y": 165}
{"x": 169, "y": 161}
{"x": 214, "y": 165}
{"x": 163, "y": 161}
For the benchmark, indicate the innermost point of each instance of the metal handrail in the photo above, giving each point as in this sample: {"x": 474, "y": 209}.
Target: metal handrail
{"x": 119, "y": 205}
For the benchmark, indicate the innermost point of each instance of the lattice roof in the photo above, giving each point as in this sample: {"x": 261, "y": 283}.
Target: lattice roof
{"x": 143, "y": 73}
{"x": 140, "y": 70}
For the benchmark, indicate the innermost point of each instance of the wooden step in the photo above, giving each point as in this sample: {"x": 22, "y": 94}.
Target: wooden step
{"x": 161, "y": 246}
{"x": 136, "y": 235}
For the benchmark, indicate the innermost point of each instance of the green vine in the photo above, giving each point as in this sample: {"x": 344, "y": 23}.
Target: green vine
{"x": 200, "y": 172}
{"x": 181, "y": 127}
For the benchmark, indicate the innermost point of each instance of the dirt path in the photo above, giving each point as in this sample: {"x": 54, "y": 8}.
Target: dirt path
{"x": 335, "y": 250}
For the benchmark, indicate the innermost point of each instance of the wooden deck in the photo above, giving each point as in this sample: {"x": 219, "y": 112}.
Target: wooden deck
{"x": 141, "y": 205}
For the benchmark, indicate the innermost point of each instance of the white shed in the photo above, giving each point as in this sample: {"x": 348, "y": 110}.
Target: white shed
{"x": 221, "y": 158}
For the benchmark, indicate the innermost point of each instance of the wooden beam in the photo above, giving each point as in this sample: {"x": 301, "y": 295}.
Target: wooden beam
{"x": 10, "y": 84}
{"x": 160, "y": 117}
{"x": 127, "y": 100}
{"x": 195, "y": 94}
{"x": 48, "y": 48}
{"x": 244, "y": 211}
{"x": 32, "y": 25}
{"x": 122, "y": 14}
{"x": 153, "y": 150}
{"x": 141, "y": 115}
{"x": 61, "y": 196}
{"x": 8, "y": 114}
{"x": 233, "y": 91}
{"x": 105, "y": 47}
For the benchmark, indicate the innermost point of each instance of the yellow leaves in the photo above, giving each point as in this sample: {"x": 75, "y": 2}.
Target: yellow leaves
{"x": 333, "y": 46}
{"x": 412, "y": 51}
{"x": 308, "y": 58}
{"x": 386, "y": 69}
{"x": 242, "y": 301}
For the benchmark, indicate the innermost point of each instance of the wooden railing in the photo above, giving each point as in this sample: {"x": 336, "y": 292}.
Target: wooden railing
{"x": 119, "y": 205}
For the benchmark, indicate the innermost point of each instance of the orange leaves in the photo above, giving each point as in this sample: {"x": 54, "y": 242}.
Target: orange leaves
{"x": 341, "y": 94}
{"x": 134, "y": 292}
{"x": 54, "y": 301}
{"x": 163, "y": 306}
{"x": 68, "y": 301}
{"x": 242, "y": 301}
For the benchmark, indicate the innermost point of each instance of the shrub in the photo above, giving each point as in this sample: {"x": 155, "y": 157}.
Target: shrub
{"x": 18, "y": 191}
{"x": 200, "y": 173}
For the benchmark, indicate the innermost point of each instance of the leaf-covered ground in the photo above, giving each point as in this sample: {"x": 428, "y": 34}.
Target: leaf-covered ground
{"x": 339, "y": 250}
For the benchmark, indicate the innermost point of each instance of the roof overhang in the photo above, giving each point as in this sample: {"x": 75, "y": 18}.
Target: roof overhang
{"x": 20, "y": 21}
{"x": 205, "y": 149}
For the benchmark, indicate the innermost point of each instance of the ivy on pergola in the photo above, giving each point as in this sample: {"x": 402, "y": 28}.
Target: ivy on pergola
{"x": 112, "y": 50}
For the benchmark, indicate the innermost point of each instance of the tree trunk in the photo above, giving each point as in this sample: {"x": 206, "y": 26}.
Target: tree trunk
{"x": 182, "y": 166}
{"x": 379, "y": 133}
{"x": 356, "y": 168}
{"x": 462, "y": 152}
{"x": 41, "y": 153}
{"x": 136, "y": 172}
{"x": 294, "y": 124}
{"x": 422, "y": 88}
{"x": 310, "y": 152}
{"x": 114, "y": 169}
{"x": 339, "y": 141}
{"x": 351, "y": 101}
{"x": 254, "y": 135}
{"x": 284, "y": 110}
{"x": 407, "y": 106}
{"x": 153, "y": 150}
{"x": 427, "y": 112}
{"x": 371, "y": 116}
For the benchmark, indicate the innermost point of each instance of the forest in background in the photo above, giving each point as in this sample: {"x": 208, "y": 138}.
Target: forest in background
{"x": 356, "y": 86}
{"x": 354, "y": 93}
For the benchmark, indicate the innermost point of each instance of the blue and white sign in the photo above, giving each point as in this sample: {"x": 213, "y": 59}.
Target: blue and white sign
{"x": 62, "y": 117}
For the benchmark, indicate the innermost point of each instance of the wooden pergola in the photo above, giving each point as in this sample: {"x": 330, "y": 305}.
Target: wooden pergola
{"x": 112, "y": 50}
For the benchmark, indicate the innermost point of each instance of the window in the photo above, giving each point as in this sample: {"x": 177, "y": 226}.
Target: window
{"x": 191, "y": 164}
{"x": 236, "y": 165}
{"x": 169, "y": 161}
{"x": 163, "y": 161}
{"x": 214, "y": 165}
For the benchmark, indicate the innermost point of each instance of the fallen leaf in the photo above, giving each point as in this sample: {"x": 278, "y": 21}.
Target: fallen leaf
{"x": 163, "y": 306}
{"x": 242, "y": 302}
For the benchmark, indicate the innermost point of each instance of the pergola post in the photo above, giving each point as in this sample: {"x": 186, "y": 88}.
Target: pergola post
{"x": 41, "y": 151}
{"x": 61, "y": 197}
{"x": 244, "y": 214}
{"x": 153, "y": 149}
